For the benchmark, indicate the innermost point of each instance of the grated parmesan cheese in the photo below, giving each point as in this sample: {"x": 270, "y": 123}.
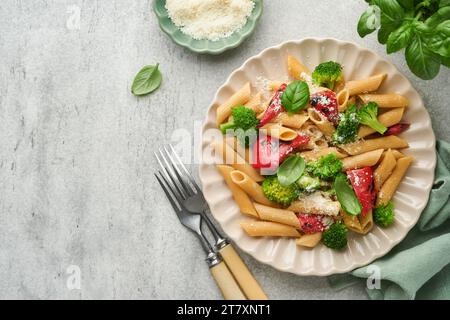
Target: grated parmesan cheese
{"x": 209, "y": 19}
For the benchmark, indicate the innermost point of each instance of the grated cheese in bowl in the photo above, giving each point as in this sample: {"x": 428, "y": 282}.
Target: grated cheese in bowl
{"x": 209, "y": 19}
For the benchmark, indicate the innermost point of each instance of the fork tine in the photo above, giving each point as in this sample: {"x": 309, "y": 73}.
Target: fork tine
{"x": 180, "y": 163}
{"x": 169, "y": 174}
{"x": 176, "y": 206}
{"x": 179, "y": 174}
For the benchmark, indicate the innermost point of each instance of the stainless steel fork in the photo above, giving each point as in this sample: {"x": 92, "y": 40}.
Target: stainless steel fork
{"x": 227, "y": 284}
{"x": 192, "y": 198}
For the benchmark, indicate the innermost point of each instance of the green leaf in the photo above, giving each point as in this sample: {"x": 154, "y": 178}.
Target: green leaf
{"x": 296, "y": 96}
{"x": 368, "y": 22}
{"x": 422, "y": 61}
{"x": 400, "y": 38}
{"x": 407, "y": 4}
{"x": 387, "y": 27}
{"x": 440, "y": 16}
{"x": 445, "y": 61}
{"x": 147, "y": 80}
{"x": 346, "y": 196}
{"x": 444, "y": 3}
{"x": 439, "y": 42}
{"x": 290, "y": 170}
{"x": 391, "y": 9}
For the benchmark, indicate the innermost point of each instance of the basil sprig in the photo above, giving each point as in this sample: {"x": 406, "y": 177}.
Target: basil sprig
{"x": 147, "y": 80}
{"x": 296, "y": 96}
{"x": 290, "y": 170}
{"x": 421, "y": 27}
{"x": 346, "y": 196}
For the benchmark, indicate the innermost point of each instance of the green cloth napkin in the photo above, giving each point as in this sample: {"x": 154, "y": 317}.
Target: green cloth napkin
{"x": 419, "y": 266}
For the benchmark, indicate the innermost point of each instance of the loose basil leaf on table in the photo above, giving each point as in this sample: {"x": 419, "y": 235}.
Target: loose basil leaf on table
{"x": 296, "y": 96}
{"x": 147, "y": 80}
{"x": 445, "y": 61}
{"x": 421, "y": 60}
{"x": 290, "y": 170}
{"x": 368, "y": 21}
{"x": 346, "y": 196}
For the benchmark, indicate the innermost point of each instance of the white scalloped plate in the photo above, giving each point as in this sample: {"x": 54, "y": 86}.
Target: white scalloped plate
{"x": 410, "y": 199}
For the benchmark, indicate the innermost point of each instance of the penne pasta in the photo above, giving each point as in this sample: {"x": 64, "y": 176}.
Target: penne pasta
{"x": 351, "y": 222}
{"x": 342, "y": 98}
{"x": 384, "y": 170}
{"x": 390, "y": 186}
{"x": 277, "y": 215}
{"x": 387, "y": 119}
{"x": 296, "y": 68}
{"x": 275, "y": 85}
{"x": 362, "y": 160}
{"x": 268, "y": 229}
{"x": 385, "y": 100}
{"x": 241, "y": 151}
{"x": 230, "y": 157}
{"x": 241, "y": 198}
{"x": 340, "y": 85}
{"x": 250, "y": 187}
{"x": 366, "y": 222}
{"x": 316, "y": 154}
{"x": 364, "y": 146}
{"x": 277, "y": 131}
{"x": 239, "y": 98}
{"x": 255, "y": 103}
{"x": 325, "y": 126}
{"x": 309, "y": 240}
{"x": 296, "y": 120}
{"x": 315, "y": 203}
{"x": 372, "y": 83}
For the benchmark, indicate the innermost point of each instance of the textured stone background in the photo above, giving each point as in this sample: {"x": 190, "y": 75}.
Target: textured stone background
{"x": 76, "y": 164}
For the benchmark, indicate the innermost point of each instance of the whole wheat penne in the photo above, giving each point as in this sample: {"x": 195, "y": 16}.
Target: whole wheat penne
{"x": 315, "y": 203}
{"x": 250, "y": 186}
{"x": 295, "y": 120}
{"x": 255, "y": 103}
{"x": 369, "y": 84}
{"x": 366, "y": 222}
{"x": 385, "y": 100}
{"x": 278, "y": 131}
{"x": 387, "y": 119}
{"x": 342, "y": 98}
{"x": 230, "y": 157}
{"x": 362, "y": 160}
{"x": 352, "y": 222}
{"x": 296, "y": 68}
{"x": 309, "y": 240}
{"x": 268, "y": 229}
{"x": 239, "y": 98}
{"x": 241, "y": 198}
{"x": 277, "y": 215}
{"x": 316, "y": 154}
{"x": 321, "y": 122}
{"x": 363, "y": 146}
{"x": 390, "y": 186}
{"x": 384, "y": 170}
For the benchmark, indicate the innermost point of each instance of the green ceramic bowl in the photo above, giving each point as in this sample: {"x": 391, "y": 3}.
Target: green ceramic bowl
{"x": 206, "y": 46}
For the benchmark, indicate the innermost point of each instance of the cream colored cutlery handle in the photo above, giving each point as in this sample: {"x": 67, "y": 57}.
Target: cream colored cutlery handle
{"x": 248, "y": 283}
{"x": 227, "y": 284}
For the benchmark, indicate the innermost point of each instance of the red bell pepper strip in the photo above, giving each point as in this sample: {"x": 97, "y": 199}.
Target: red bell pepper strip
{"x": 313, "y": 223}
{"x": 362, "y": 183}
{"x": 275, "y": 107}
{"x": 269, "y": 152}
{"x": 325, "y": 102}
{"x": 396, "y": 129}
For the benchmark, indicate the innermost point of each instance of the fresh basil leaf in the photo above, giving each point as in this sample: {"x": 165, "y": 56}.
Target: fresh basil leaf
{"x": 290, "y": 170}
{"x": 445, "y": 61}
{"x": 387, "y": 27}
{"x": 421, "y": 60}
{"x": 444, "y": 3}
{"x": 439, "y": 42}
{"x": 407, "y": 4}
{"x": 368, "y": 22}
{"x": 391, "y": 9}
{"x": 438, "y": 17}
{"x": 296, "y": 96}
{"x": 147, "y": 80}
{"x": 346, "y": 196}
{"x": 400, "y": 38}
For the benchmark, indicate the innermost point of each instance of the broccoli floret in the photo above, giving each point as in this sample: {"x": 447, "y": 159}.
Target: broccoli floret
{"x": 336, "y": 236}
{"x": 327, "y": 167}
{"x": 274, "y": 191}
{"x": 243, "y": 125}
{"x": 347, "y": 128}
{"x": 368, "y": 115}
{"x": 308, "y": 183}
{"x": 384, "y": 215}
{"x": 327, "y": 74}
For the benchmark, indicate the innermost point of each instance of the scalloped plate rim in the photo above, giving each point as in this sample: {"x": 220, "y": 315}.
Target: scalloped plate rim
{"x": 392, "y": 243}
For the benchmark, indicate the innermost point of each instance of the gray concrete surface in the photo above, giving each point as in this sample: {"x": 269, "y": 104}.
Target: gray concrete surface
{"x": 76, "y": 164}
